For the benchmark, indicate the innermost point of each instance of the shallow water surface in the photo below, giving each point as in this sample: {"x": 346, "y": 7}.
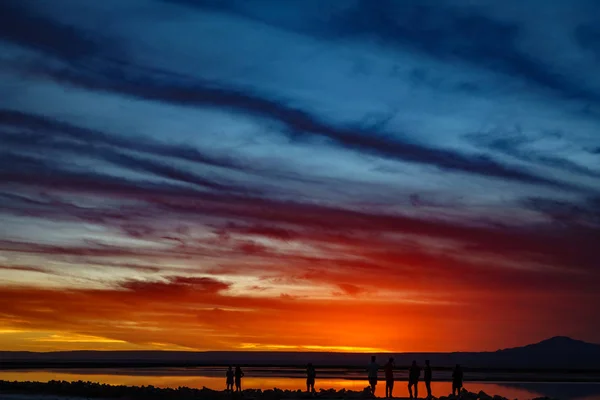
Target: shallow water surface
{"x": 265, "y": 378}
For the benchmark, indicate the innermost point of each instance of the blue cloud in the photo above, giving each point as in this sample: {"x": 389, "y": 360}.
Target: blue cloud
{"x": 21, "y": 25}
{"x": 395, "y": 122}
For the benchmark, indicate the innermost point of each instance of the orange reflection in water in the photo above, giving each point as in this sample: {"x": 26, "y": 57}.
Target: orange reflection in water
{"x": 218, "y": 383}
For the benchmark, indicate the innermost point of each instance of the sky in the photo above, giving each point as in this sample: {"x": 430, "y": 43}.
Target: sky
{"x": 333, "y": 175}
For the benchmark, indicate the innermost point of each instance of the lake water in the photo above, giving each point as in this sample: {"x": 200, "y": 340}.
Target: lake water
{"x": 265, "y": 378}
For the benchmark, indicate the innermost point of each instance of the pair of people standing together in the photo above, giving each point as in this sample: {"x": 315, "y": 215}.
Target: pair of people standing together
{"x": 414, "y": 374}
{"x": 238, "y": 374}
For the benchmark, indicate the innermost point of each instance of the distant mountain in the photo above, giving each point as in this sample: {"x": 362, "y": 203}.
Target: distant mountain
{"x": 555, "y": 353}
{"x": 559, "y": 351}
{"x": 557, "y": 344}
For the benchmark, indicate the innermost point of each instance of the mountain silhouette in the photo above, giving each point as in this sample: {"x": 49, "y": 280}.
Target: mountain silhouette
{"x": 558, "y": 344}
{"x": 559, "y": 353}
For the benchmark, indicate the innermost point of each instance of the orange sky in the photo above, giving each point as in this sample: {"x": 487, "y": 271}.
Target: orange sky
{"x": 207, "y": 276}
{"x": 304, "y": 278}
{"x": 201, "y": 315}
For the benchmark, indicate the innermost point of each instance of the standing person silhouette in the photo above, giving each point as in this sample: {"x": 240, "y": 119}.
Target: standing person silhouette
{"x": 389, "y": 377}
{"x": 311, "y": 374}
{"x": 413, "y": 379}
{"x": 229, "y": 375}
{"x": 457, "y": 380}
{"x": 428, "y": 376}
{"x": 373, "y": 369}
{"x": 238, "y": 378}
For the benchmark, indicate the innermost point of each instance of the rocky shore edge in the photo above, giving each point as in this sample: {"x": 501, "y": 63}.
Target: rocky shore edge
{"x": 94, "y": 390}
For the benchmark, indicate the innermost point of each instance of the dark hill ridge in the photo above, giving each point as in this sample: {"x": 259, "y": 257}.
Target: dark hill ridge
{"x": 555, "y": 353}
{"x": 558, "y": 343}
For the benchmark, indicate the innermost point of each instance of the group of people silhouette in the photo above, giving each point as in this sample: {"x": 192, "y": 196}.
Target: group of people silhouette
{"x": 414, "y": 374}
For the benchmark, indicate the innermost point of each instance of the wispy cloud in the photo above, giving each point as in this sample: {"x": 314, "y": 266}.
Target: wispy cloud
{"x": 306, "y": 164}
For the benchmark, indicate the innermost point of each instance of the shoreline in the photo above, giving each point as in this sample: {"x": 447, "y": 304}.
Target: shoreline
{"x": 10, "y": 365}
{"x": 81, "y": 389}
{"x": 475, "y": 376}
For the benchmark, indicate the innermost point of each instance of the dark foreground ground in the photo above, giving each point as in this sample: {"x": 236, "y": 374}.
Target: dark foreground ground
{"x": 91, "y": 390}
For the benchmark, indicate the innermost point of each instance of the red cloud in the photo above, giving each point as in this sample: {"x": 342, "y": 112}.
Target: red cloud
{"x": 444, "y": 275}
{"x": 351, "y": 289}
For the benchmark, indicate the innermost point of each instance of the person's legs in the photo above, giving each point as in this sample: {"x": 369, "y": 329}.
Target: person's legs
{"x": 428, "y": 387}
{"x": 373, "y": 383}
{"x": 416, "y": 390}
{"x": 410, "y": 394}
{"x": 391, "y": 388}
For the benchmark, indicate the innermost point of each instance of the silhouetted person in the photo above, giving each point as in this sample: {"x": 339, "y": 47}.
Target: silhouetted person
{"x": 229, "y": 375}
{"x": 311, "y": 375}
{"x": 428, "y": 376}
{"x": 457, "y": 380}
{"x": 238, "y": 379}
{"x": 373, "y": 369}
{"x": 389, "y": 377}
{"x": 413, "y": 380}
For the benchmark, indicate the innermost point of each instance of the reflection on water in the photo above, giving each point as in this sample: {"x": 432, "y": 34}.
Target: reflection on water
{"x": 264, "y": 379}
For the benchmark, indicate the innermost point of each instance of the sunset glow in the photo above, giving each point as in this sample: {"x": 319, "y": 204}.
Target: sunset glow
{"x": 316, "y": 176}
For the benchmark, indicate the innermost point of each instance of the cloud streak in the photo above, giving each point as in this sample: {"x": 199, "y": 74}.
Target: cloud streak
{"x": 430, "y": 160}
